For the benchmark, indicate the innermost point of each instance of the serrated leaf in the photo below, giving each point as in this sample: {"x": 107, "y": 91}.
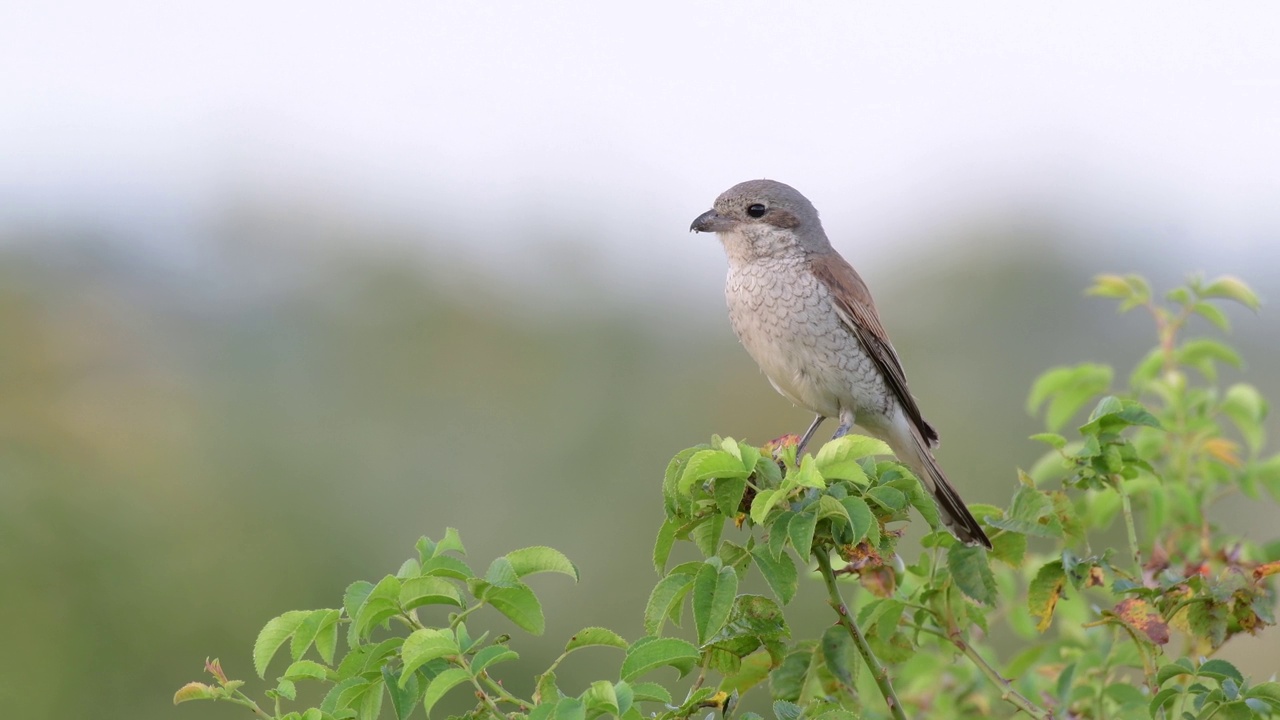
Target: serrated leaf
{"x": 728, "y": 494}
{"x": 779, "y": 572}
{"x": 520, "y": 605}
{"x": 305, "y": 669}
{"x": 1030, "y": 513}
{"x": 424, "y": 645}
{"x": 860, "y": 516}
{"x": 403, "y": 699}
{"x": 451, "y": 542}
{"x": 533, "y": 560}
{"x": 1220, "y": 669}
{"x": 662, "y": 547}
{"x": 193, "y": 691}
{"x": 1247, "y": 409}
{"x": 763, "y": 503}
{"x": 838, "y": 459}
{"x": 650, "y": 653}
{"x": 669, "y": 592}
{"x": 706, "y": 534}
{"x": 1009, "y": 548}
{"x": 601, "y": 698}
{"x": 806, "y": 476}
{"x": 319, "y": 625}
{"x": 588, "y": 637}
{"x": 800, "y": 532}
{"x": 707, "y": 464}
{"x": 273, "y": 635}
{"x": 837, "y": 652}
{"x": 569, "y": 708}
{"x": 428, "y": 590}
{"x": 714, "y": 590}
{"x": 381, "y": 604}
{"x": 650, "y": 692}
{"x": 971, "y": 573}
{"x": 447, "y": 566}
{"x": 490, "y": 656}
{"x": 1045, "y": 591}
{"x": 890, "y": 498}
{"x": 441, "y": 684}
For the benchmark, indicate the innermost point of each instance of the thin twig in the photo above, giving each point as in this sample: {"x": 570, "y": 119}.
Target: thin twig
{"x": 1129, "y": 526}
{"x": 878, "y": 671}
{"x": 1007, "y": 693}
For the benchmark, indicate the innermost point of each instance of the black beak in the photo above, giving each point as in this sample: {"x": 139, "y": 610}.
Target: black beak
{"x": 711, "y": 221}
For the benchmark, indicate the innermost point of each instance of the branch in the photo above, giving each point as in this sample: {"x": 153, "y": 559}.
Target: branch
{"x": 878, "y": 671}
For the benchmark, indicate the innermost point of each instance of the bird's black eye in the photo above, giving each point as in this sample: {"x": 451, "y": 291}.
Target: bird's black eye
{"x": 756, "y": 210}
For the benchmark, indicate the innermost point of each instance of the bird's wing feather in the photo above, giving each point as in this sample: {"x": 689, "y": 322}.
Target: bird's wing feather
{"x": 858, "y": 311}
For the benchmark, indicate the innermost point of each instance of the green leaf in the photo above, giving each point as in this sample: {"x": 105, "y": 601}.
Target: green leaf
{"x": 1030, "y": 513}
{"x": 306, "y": 669}
{"x": 193, "y": 691}
{"x": 450, "y": 543}
{"x": 601, "y": 698}
{"x": 829, "y": 507}
{"x": 763, "y": 503}
{"x": 1109, "y": 286}
{"x": 1202, "y": 353}
{"x": 1168, "y": 672}
{"x": 320, "y": 627}
{"x": 1247, "y": 410}
{"x": 352, "y": 600}
{"x": 669, "y": 592}
{"x": 706, "y": 534}
{"x": 1067, "y": 389}
{"x": 1009, "y": 548}
{"x": 403, "y": 699}
{"x": 666, "y": 540}
{"x": 520, "y": 605}
{"x": 383, "y": 603}
{"x": 501, "y": 573}
{"x": 541, "y": 559}
{"x": 650, "y": 692}
{"x": 714, "y": 590}
{"x": 860, "y": 517}
{"x": 1220, "y": 670}
{"x": 490, "y": 656}
{"x": 1057, "y": 441}
{"x": 568, "y": 708}
{"x": 1162, "y": 698}
{"x": 592, "y": 636}
{"x": 423, "y": 646}
{"x": 800, "y": 532}
{"x": 441, "y": 684}
{"x": 806, "y": 476}
{"x": 1232, "y": 288}
{"x": 837, "y": 651}
{"x": 728, "y": 494}
{"x": 707, "y": 464}
{"x": 890, "y": 498}
{"x": 972, "y": 574}
{"x": 428, "y": 590}
{"x": 446, "y": 566}
{"x": 650, "y": 653}
{"x": 838, "y": 459}
{"x": 1045, "y": 591}
{"x": 273, "y": 635}
{"x": 1213, "y": 315}
{"x": 780, "y": 572}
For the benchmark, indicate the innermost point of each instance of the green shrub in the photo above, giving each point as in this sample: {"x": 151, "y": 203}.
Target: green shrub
{"x": 1101, "y": 632}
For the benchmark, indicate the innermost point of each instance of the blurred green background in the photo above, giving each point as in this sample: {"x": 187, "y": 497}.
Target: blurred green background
{"x": 284, "y": 286}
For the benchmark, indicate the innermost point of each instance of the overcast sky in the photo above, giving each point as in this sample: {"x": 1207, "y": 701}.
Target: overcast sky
{"x": 498, "y": 122}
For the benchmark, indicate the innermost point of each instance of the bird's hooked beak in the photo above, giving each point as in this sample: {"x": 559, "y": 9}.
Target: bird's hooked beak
{"x": 712, "y": 221}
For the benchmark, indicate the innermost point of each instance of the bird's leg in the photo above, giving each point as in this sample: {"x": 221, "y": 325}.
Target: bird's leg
{"x": 846, "y": 424}
{"x": 808, "y": 435}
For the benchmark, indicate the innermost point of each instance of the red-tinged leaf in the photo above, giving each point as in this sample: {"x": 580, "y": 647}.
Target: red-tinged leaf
{"x": 1144, "y": 618}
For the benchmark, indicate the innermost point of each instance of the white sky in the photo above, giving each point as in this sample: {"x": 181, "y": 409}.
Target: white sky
{"x": 497, "y": 121}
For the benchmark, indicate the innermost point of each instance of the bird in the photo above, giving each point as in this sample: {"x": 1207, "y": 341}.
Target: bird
{"x": 807, "y": 318}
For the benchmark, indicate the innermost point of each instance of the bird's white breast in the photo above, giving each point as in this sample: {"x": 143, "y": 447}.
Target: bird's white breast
{"x": 785, "y": 318}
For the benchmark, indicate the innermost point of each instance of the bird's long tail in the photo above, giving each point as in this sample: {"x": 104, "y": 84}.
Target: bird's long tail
{"x": 916, "y": 454}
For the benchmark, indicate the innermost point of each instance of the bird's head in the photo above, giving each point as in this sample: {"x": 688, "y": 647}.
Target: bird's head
{"x": 763, "y": 218}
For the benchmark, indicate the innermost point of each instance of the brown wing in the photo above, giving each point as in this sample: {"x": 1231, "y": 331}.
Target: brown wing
{"x": 858, "y": 311}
